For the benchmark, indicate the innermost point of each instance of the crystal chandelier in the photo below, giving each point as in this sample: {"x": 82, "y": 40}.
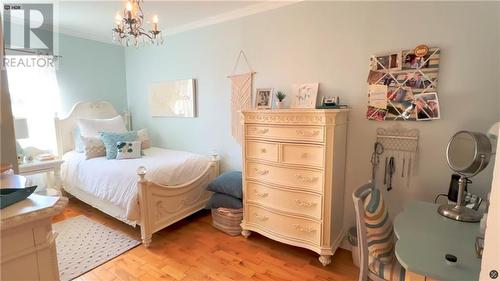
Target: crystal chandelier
{"x": 129, "y": 30}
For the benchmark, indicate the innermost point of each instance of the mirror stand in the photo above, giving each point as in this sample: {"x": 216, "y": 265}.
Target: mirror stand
{"x": 459, "y": 211}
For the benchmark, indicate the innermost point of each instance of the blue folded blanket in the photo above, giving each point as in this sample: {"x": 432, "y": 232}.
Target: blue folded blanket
{"x": 219, "y": 200}
{"x": 228, "y": 191}
{"x": 228, "y": 183}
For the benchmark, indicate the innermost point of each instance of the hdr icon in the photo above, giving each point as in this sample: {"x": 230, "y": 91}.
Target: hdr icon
{"x": 29, "y": 27}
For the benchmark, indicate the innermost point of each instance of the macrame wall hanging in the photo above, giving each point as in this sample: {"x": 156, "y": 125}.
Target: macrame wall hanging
{"x": 241, "y": 96}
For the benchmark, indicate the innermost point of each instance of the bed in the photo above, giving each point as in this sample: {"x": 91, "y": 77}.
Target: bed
{"x": 154, "y": 191}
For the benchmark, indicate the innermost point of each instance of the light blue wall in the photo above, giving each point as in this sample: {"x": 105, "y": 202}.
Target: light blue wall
{"x": 331, "y": 43}
{"x": 90, "y": 70}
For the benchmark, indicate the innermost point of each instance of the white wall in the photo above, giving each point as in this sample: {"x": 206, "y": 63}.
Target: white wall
{"x": 331, "y": 42}
{"x": 490, "y": 259}
{"x": 90, "y": 71}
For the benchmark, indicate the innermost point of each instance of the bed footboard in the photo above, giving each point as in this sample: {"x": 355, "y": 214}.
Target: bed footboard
{"x": 161, "y": 206}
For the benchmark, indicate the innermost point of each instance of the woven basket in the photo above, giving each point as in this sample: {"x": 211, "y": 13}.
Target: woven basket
{"x": 227, "y": 220}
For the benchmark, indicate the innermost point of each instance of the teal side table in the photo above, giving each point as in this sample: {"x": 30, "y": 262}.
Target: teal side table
{"x": 425, "y": 237}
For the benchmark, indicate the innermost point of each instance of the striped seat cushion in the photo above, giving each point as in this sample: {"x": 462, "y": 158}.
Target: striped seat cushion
{"x": 392, "y": 271}
{"x": 379, "y": 231}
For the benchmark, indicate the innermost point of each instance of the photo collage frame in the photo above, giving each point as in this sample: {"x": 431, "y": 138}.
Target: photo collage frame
{"x": 402, "y": 85}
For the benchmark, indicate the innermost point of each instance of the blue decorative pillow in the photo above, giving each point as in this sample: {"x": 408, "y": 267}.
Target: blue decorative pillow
{"x": 228, "y": 183}
{"x": 219, "y": 200}
{"x": 110, "y": 139}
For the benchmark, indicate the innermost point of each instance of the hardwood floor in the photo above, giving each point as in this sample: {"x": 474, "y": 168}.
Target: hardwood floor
{"x": 193, "y": 250}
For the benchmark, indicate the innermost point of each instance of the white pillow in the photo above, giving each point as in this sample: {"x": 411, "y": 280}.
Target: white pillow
{"x": 92, "y": 127}
{"x": 128, "y": 149}
{"x": 143, "y": 136}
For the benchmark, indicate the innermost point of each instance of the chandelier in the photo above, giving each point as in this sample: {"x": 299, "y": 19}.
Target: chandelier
{"x": 129, "y": 29}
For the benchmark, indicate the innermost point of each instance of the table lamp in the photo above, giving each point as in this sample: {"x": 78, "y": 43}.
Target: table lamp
{"x": 21, "y": 132}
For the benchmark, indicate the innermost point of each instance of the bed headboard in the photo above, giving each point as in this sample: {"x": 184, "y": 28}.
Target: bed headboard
{"x": 88, "y": 110}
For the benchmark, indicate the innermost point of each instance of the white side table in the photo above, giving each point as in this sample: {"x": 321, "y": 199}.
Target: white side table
{"x": 39, "y": 167}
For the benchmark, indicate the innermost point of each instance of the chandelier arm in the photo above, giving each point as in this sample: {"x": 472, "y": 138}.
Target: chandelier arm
{"x": 131, "y": 28}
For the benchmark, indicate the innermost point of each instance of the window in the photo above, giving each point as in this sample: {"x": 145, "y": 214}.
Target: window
{"x": 35, "y": 96}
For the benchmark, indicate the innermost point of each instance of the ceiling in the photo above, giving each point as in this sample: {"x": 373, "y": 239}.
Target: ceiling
{"x": 95, "y": 19}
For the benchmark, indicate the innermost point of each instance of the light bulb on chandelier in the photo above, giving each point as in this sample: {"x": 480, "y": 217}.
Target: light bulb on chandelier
{"x": 129, "y": 31}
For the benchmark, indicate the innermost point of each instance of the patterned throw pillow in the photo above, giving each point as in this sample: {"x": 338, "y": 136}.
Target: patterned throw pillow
{"x": 128, "y": 149}
{"x": 93, "y": 147}
{"x": 144, "y": 138}
{"x": 379, "y": 231}
{"x": 111, "y": 139}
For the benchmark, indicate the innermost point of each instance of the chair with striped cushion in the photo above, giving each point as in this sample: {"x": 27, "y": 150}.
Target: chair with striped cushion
{"x": 375, "y": 237}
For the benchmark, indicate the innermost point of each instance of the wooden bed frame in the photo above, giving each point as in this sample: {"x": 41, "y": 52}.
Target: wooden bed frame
{"x": 159, "y": 205}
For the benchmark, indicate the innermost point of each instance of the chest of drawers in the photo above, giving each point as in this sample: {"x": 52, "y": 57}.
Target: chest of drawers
{"x": 293, "y": 177}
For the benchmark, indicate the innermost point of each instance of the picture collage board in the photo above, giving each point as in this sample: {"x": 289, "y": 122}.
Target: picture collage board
{"x": 402, "y": 85}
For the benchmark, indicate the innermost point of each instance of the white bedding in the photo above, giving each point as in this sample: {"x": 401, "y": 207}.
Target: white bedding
{"x": 115, "y": 181}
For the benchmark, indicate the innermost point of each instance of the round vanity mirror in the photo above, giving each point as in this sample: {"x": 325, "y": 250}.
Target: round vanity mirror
{"x": 468, "y": 153}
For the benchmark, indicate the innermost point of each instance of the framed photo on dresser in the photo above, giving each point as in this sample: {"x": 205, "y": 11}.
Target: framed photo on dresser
{"x": 263, "y": 98}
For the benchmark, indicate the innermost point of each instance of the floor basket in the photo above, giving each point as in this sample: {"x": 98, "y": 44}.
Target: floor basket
{"x": 227, "y": 220}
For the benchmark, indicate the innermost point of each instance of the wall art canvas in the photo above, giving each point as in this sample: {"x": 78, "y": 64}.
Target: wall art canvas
{"x": 305, "y": 95}
{"x": 173, "y": 99}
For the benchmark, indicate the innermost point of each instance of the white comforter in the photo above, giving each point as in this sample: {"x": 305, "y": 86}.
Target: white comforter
{"x": 115, "y": 181}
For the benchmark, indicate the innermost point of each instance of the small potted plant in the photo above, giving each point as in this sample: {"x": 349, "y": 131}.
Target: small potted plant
{"x": 280, "y": 96}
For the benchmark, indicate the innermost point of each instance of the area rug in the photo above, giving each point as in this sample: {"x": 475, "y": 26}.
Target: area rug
{"x": 83, "y": 244}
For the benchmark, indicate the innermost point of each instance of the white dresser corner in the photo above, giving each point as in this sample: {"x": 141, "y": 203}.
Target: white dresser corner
{"x": 28, "y": 249}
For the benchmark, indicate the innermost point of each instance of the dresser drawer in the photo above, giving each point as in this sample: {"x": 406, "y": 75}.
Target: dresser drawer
{"x": 295, "y": 133}
{"x": 298, "y": 202}
{"x": 293, "y": 177}
{"x": 288, "y": 226}
{"x": 312, "y": 155}
{"x": 262, "y": 150}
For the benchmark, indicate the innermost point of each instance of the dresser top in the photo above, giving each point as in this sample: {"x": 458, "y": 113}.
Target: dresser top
{"x": 297, "y": 110}
{"x": 296, "y": 116}
{"x": 34, "y": 207}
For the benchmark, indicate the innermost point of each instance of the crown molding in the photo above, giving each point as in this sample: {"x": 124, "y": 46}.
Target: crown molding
{"x": 220, "y": 18}
{"x": 88, "y": 36}
{"x": 231, "y": 15}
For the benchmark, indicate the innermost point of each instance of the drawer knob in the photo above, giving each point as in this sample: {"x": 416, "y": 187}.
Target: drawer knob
{"x": 261, "y": 172}
{"x": 263, "y": 150}
{"x": 306, "y": 179}
{"x": 307, "y": 133}
{"x": 305, "y": 203}
{"x": 304, "y": 155}
{"x": 306, "y": 229}
{"x": 261, "y": 218}
{"x": 261, "y": 194}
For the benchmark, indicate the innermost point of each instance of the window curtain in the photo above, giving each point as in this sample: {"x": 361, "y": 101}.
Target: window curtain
{"x": 35, "y": 96}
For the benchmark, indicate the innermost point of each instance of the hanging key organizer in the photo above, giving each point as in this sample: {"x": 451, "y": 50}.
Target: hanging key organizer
{"x": 402, "y": 85}
{"x": 400, "y": 152}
